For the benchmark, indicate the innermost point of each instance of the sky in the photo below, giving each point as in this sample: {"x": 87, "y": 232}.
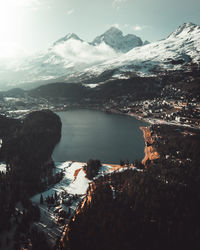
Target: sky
{"x": 30, "y": 25}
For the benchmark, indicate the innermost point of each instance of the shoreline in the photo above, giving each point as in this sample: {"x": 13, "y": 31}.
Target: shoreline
{"x": 112, "y": 165}
{"x": 149, "y": 150}
{"x": 148, "y": 120}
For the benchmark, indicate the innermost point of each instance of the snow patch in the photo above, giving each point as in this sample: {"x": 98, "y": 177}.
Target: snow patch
{"x": 2, "y": 167}
{"x": 72, "y": 56}
{"x": 91, "y": 85}
{"x": 79, "y": 186}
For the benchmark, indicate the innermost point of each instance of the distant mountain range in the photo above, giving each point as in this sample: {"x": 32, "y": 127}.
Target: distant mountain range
{"x": 113, "y": 38}
{"x": 109, "y": 56}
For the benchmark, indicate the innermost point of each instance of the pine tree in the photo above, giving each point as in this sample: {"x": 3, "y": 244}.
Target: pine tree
{"x": 55, "y": 196}
{"x": 41, "y": 199}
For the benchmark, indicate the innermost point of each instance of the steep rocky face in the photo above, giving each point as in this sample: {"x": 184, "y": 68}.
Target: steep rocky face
{"x": 115, "y": 39}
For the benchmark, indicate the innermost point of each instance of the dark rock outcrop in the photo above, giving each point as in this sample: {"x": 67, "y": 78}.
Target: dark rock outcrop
{"x": 28, "y": 147}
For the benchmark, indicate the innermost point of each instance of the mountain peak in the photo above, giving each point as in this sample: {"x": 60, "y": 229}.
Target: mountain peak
{"x": 114, "y": 38}
{"x": 114, "y": 30}
{"x": 72, "y": 35}
{"x": 68, "y": 37}
{"x": 188, "y": 24}
{"x": 185, "y": 27}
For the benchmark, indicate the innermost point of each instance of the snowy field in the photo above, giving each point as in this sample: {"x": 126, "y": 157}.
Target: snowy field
{"x": 70, "y": 192}
{"x": 78, "y": 186}
{"x": 2, "y": 167}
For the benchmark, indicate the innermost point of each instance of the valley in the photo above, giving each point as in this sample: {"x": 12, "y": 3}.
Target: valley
{"x": 171, "y": 98}
{"x": 149, "y": 203}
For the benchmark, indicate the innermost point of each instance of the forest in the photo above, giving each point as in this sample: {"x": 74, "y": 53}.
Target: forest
{"x": 156, "y": 208}
{"x": 135, "y": 88}
{"x": 92, "y": 168}
{"x": 26, "y": 149}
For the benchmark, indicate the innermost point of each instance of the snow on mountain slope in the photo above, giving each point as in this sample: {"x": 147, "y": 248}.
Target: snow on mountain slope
{"x": 64, "y": 57}
{"x": 182, "y": 46}
{"x": 115, "y": 39}
{"x": 146, "y": 42}
{"x": 72, "y": 59}
{"x": 68, "y": 55}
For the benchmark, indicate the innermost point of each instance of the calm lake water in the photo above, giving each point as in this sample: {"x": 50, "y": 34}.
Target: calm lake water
{"x": 88, "y": 134}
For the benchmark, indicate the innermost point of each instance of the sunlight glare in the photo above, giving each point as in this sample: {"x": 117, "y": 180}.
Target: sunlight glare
{"x": 9, "y": 14}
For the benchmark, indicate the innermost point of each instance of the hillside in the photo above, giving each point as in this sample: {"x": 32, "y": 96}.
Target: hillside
{"x": 150, "y": 209}
{"x": 71, "y": 59}
{"x": 27, "y": 146}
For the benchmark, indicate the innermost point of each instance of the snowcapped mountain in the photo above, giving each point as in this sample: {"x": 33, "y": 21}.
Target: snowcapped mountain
{"x": 68, "y": 37}
{"x": 71, "y": 59}
{"x": 68, "y": 55}
{"x": 180, "y": 48}
{"x": 115, "y": 39}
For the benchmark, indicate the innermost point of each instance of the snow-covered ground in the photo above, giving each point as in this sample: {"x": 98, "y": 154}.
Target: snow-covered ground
{"x": 21, "y": 111}
{"x": 2, "y": 167}
{"x": 72, "y": 185}
{"x": 70, "y": 192}
{"x": 78, "y": 186}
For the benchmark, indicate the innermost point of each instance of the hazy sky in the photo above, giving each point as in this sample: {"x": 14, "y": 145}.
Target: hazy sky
{"x": 36, "y": 24}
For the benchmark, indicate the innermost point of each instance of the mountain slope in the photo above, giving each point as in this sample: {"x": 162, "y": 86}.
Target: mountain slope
{"x": 65, "y": 57}
{"x": 180, "y": 48}
{"x": 70, "y": 59}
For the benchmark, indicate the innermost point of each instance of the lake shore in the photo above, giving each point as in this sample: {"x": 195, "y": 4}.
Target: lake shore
{"x": 149, "y": 151}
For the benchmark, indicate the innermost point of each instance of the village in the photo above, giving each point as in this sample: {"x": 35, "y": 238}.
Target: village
{"x": 172, "y": 107}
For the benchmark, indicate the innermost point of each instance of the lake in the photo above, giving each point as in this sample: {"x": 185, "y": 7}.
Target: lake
{"x": 89, "y": 134}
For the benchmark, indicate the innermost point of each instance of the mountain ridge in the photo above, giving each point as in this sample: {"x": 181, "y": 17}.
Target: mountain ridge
{"x": 73, "y": 60}
{"x": 67, "y": 37}
{"x": 115, "y": 39}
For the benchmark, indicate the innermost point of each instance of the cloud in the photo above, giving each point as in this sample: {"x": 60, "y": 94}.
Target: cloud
{"x": 139, "y": 27}
{"x": 69, "y": 12}
{"x": 77, "y": 52}
{"x": 118, "y": 3}
{"x": 136, "y": 27}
